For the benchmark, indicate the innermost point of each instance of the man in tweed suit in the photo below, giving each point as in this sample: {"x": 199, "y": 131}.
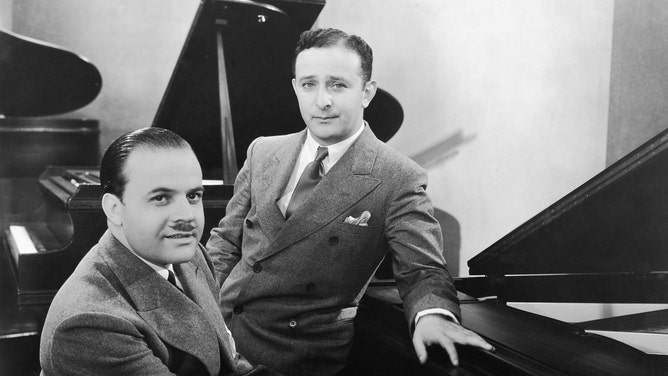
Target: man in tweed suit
{"x": 143, "y": 300}
{"x": 292, "y": 277}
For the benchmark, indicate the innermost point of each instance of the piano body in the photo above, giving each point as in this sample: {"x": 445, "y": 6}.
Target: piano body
{"x": 31, "y": 92}
{"x": 579, "y": 289}
{"x": 37, "y": 80}
{"x": 37, "y": 232}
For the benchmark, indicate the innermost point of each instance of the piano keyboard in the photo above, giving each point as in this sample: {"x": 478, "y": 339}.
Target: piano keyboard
{"x": 20, "y": 242}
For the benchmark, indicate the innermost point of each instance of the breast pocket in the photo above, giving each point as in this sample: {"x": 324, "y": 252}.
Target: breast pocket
{"x": 357, "y": 229}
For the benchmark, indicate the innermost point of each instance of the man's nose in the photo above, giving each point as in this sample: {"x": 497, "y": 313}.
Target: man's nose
{"x": 183, "y": 210}
{"x": 323, "y": 100}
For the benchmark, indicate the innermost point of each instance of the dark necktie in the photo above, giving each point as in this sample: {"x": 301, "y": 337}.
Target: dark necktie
{"x": 309, "y": 179}
{"x": 172, "y": 279}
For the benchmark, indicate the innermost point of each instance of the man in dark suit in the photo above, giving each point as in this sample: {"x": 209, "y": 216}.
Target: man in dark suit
{"x": 143, "y": 300}
{"x": 294, "y": 262}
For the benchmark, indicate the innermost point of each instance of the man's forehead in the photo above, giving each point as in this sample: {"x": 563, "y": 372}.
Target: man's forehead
{"x": 169, "y": 169}
{"x": 338, "y": 59}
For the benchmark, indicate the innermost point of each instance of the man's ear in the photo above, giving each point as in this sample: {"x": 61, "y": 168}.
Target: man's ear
{"x": 369, "y": 92}
{"x": 294, "y": 85}
{"x": 111, "y": 205}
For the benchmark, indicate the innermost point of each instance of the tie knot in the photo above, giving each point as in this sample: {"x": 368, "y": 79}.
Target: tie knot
{"x": 321, "y": 153}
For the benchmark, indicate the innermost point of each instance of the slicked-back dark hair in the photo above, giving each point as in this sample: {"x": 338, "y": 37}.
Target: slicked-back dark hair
{"x": 331, "y": 37}
{"x": 112, "y": 167}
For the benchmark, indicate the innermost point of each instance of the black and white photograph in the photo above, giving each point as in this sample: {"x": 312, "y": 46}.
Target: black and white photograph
{"x": 334, "y": 187}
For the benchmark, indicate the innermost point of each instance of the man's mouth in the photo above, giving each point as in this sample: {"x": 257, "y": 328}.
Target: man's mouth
{"x": 181, "y": 235}
{"x": 324, "y": 118}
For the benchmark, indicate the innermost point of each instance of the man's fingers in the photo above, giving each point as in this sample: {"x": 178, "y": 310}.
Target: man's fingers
{"x": 449, "y": 346}
{"x": 420, "y": 349}
{"x": 479, "y": 342}
{"x": 435, "y": 330}
{"x": 472, "y": 339}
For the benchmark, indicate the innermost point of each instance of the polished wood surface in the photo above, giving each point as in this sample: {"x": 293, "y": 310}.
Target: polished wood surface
{"x": 613, "y": 223}
{"x": 29, "y": 144}
{"x": 39, "y": 78}
{"x": 526, "y": 344}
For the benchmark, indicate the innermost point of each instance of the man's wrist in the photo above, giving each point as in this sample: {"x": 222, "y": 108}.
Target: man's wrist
{"x": 436, "y": 311}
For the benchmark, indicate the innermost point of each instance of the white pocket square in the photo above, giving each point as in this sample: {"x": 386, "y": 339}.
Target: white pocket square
{"x": 362, "y": 220}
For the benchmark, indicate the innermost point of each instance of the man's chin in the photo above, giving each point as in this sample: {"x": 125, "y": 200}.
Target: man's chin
{"x": 321, "y": 134}
{"x": 181, "y": 260}
{"x": 183, "y": 253}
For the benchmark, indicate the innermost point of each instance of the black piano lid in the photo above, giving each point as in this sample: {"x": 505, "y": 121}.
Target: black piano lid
{"x": 39, "y": 79}
{"x": 617, "y": 222}
{"x": 258, "y": 44}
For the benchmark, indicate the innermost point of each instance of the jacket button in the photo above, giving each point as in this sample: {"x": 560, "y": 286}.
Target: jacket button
{"x": 257, "y": 267}
{"x": 333, "y": 240}
{"x": 238, "y": 310}
{"x": 310, "y": 287}
{"x": 292, "y": 324}
{"x": 249, "y": 223}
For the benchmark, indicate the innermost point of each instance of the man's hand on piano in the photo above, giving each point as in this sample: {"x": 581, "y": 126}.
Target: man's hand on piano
{"x": 438, "y": 329}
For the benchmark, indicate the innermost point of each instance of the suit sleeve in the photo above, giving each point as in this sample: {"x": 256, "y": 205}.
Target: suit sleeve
{"x": 100, "y": 344}
{"x": 224, "y": 244}
{"x": 416, "y": 242}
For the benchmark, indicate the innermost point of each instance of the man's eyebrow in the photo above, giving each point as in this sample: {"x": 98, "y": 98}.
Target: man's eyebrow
{"x": 336, "y": 78}
{"x": 327, "y": 79}
{"x": 160, "y": 190}
{"x": 309, "y": 77}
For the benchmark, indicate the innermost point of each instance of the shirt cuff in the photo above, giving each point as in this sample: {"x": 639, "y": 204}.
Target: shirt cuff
{"x": 435, "y": 311}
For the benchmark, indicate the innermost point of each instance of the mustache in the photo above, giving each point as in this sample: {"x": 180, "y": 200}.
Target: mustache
{"x": 183, "y": 226}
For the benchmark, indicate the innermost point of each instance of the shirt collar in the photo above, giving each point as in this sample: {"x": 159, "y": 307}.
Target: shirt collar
{"x": 335, "y": 151}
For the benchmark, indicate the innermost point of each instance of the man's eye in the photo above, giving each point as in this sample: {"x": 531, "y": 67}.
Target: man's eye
{"x": 338, "y": 86}
{"x": 159, "y": 199}
{"x": 194, "y": 197}
{"x": 308, "y": 85}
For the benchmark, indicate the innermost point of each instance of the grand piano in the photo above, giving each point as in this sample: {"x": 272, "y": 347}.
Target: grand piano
{"x": 31, "y": 138}
{"x": 579, "y": 289}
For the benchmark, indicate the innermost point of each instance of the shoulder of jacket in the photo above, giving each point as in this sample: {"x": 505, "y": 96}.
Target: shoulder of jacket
{"x": 267, "y": 143}
{"x": 398, "y": 161}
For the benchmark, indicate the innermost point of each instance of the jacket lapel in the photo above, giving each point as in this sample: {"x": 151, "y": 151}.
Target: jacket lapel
{"x": 343, "y": 186}
{"x": 169, "y": 311}
{"x": 274, "y": 177}
{"x": 196, "y": 286}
